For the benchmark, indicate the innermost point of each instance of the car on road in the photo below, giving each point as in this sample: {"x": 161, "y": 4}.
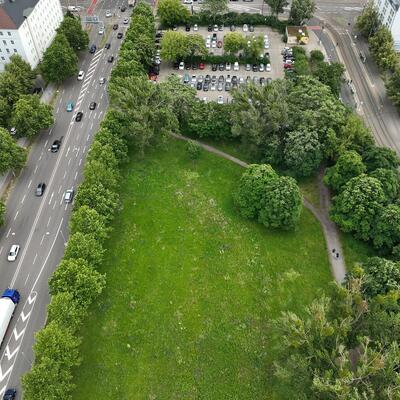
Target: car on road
{"x": 92, "y": 105}
{"x": 126, "y": 21}
{"x": 115, "y": 27}
{"x": 13, "y": 253}
{"x": 55, "y": 146}
{"x": 107, "y": 45}
{"x": 40, "y": 189}
{"x": 101, "y": 31}
{"x": 110, "y": 59}
{"x": 79, "y": 116}
{"x": 10, "y": 394}
{"x": 81, "y": 75}
{"x": 220, "y": 100}
{"x": 123, "y": 9}
{"x": 108, "y": 14}
{"x": 119, "y": 36}
{"x": 69, "y": 195}
{"x": 70, "y": 106}
{"x": 102, "y": 81}
{"x": 92, "y": 49}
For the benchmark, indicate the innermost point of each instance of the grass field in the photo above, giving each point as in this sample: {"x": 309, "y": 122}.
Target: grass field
{"x": 192, "y": 287}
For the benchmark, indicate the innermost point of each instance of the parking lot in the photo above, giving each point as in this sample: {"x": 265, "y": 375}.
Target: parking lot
{"x": 231, "y": 75}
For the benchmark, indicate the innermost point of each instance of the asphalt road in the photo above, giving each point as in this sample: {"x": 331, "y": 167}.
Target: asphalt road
{"x": 40, "y": 224}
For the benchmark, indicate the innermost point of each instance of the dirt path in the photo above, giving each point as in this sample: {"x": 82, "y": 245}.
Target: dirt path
{"x": 330, "y": 230}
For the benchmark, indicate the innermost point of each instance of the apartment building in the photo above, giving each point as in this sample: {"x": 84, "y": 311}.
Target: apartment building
{"x": 27, "y": 28}
{"x": 389, "y": 11}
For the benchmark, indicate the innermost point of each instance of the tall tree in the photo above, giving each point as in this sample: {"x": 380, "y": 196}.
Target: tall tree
{"x": 77, "y": 38}
{"x": 386, "y": 233}
{"x": 393, "y": 87}
{"x": 381, "y": 45}
{"x": 30, "y": 115}
{"x": 172, "y": 12}
{"x": 301, "y": 10}
{"x": 368, "y": 22}
{"x": 214, "y": 7}
{"x": 375, "y": 157}
{"x": 89, "y": 222}
{"x": 234, "y": 42}
{"x": 59, "y": 60}
{"x": 22, "y": 70}
{"x": 12, "y": 156}
{"x": 174, "y": 46}
{"x": 277, "y": 6}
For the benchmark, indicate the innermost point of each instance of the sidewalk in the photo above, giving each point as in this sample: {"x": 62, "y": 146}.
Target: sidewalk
{"x": 6, "y": 178}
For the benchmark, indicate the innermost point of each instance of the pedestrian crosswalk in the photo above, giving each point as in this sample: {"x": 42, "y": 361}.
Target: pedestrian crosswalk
{"x": 88, "y": 77}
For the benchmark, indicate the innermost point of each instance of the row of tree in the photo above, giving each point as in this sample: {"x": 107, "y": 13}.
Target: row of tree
{"x": 76, "y": 283}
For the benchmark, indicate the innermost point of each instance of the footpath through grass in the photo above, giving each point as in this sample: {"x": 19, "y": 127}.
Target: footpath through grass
{"x": 192, "y": 287}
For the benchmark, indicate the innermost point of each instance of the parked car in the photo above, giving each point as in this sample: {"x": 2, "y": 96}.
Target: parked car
{"x": 10, "y": 394}
{"x": 209, "y": 28}
{"x": 251, "y": 28}
{"x": 108, "y": 14}
{"x": 219, "y": 44}
{"x": 187, "y": 28}
{"x": 215, "y": 28}
{"x": 228, "y": 66}
{"x": 126, "y": 21}
{"x": 207, "y": 78}
{"x": 115, "y": 27}
{"x": 228, "y": 86}
{"x": 199, "y": 85}
{"x": 233, "y": 28}
{"x": 248, "y": 67}
{"x": 268, "y": 68}
{"x": 195, "y": 27}
{"x": 186, "y": 78}
{"x": 194, "y": 80}
{"x": 220, "y": 86}
{"x": 202, "y": 66}
{"x": 255, "y": 67}
{"x": 221, "y": 79}
{"x": 119, "y": 36}
{"x": 206, "y": 86}
{"x": 175, "y": 65}
{"x": 261, "y": 68}
{"x": 236, "y": 66}
{"x": 214, "y": 67}
{"x": 221, "y": 67}
{"x": 245, "y": 28}
{"x": 181, "y": 65}
{"x": 221, "y": 28}
{"x": 123, "y": 9}
{"x": 110, "y": 59}
{"x": 220, "y": 100}
{"x": 213, "y": 87}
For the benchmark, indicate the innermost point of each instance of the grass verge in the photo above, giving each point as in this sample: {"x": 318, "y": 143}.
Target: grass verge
{"x": 192, "y": 287}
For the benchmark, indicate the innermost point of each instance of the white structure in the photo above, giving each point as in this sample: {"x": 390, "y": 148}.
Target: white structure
{"x": 389, "y": 12}
{"x": 27, "y": 28}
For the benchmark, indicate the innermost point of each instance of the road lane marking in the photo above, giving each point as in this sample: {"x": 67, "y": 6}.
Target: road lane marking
{"x": 102, "y": 95}
{"x": 41, "y": 242}
{"x": 88, "y": 137}
{"x": 1, "y": 250}
{"x": 68, "y": 151}
{"x": 16, "y": 215}
{"x": 80, "y": 162}
{"x": 59, "y": 189}
{"x": 35, "y": 168}
{"x": 58, "y": 109}
{"x": 84, "y": 149}
{"x": 91, "y": 125}
{"x": 65, "y": 174}
{"x": 76, "y": 175}
{"x": 30, "y": 183}
{"x": 23, "y": 199}
{"x": 10, "y": 355}
{"x": 8, "y": 233}
{"x": 66, "y": 206}
{"x": 47, "y": 141}
{"x": 48, "y": 222}
{"x": 54, "y": 205}
{"x": 101, "y": 112}
{"x": 18, "y": 335}
{"x": 69, "y": 162}
{"x": 51, "y": 197}
{"x": 34, "y": 260}
{"x": 26, "y": 280}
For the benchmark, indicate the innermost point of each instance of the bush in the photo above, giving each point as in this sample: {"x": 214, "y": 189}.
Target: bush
{"x": 193, "y": 149}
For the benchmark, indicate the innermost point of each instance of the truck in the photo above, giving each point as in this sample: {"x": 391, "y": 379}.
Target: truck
{"x": 8, "y": 303}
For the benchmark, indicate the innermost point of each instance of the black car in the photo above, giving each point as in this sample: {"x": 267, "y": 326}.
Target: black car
{"x": 209, "y": 28}
{"x": 187, "y": 28}
{"x": 155, "y": 69}
{"x": 214, "y": 36}
{"x": 207, "y": 79}
{"x": 92, "y": 105}
{"x": 119, "y": 36}
{"x": 79, "y": 116}
{"x": 123, "y": 8}
{"x": 214, "y": 67}
{"x": 108, "y": 45}
{"x": 55, "y": 146}
{"x": 255, "y": 67}
{"x": 228, "y": 86}
{"x": 188, "y": 65}
{"x": 10, "y": 394}
{"x": 110, "y": 59}
{"x": 40, "y": 189}
{"x": 234, "y": 79}
{"x": 37, "y": 90}
{"x": 176, "y": 65}
{"x": 93, "y": 49}
{"x": 159, "y": 34}
{"x": 115, "y": 27}
{"x": 195, "y": 66}
{"x": 233, "y": 28}
{"x": 206, "y": 86}
{"x": 221, "y": 67}
{"x": 262, "y": 81}
{"x": 251, "y": 28}
{"x": 199, "y": 85}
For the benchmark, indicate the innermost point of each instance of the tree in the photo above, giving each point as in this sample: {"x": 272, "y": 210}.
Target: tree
{"x": 214, "y": 7}
{"x": 393, "y": 87}
{"x": 22, "y": 70}
{"x": 71, "y": 28}
{"x": 88, "y": 221}
{"x": 386, "y": 233}
{"x": 368, "y": 22}
{"x": 78, "y": 278}
{"x": 30, "y": 115}
{"x": 86, "y": 247}
{"x": 277, "y": 6}
{"x": 12, "y": 156}
{"x": 172, "y": 12}
{"x": 302, "y": 152}
{"x": 357, "y": 206}
{"x": 115, "y": 141}
{"x": 234, "y": 42}
{"x": 330, "y": 75}
{"x": 348, "y": 166}
{"x": 316, "y": 56}
{"x": 5, "y": 111}
{"x": 196, "y": 45}
{"x": 193, "y": 150}
{"x": 301, "y": 10}
{"x": 281, "y": 204}
{"x": 59, "y": 60}
{"x": 174, "y": 46}
{"x": 125, "y": 68}
{"x": 390, "y": 181}
{"x": 2, "y": 212}
{"x": 251, "y": 189}
{"x": 253, "y": 47}
{"x": 375, "y": 157}
{"x": 143, "y": 45}
{"x": 381, "y": 46}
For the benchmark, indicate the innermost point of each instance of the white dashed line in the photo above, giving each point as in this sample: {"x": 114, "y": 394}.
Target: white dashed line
{"x": 23, "y": 199}
{"x": 16, "y": 215}
{"x": 30, "y": 183}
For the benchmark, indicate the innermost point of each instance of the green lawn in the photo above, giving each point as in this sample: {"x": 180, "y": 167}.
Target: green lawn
{"x": 192, "y": 287}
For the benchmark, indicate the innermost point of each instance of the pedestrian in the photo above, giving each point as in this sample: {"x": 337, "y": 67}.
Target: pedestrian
{"x": 337, "y": 255}
{"x": 333, "y": 251}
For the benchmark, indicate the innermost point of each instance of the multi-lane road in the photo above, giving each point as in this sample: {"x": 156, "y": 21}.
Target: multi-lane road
{"x": 40, "y": 224}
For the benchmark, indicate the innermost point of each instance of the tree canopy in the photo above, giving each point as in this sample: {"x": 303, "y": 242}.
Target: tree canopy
{"x": 172, "y": 12}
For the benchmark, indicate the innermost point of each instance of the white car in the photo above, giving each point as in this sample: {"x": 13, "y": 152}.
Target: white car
{"x": 187, "y": 1}
{"x": 215, "y": 28}
{"x": 101, "y": 31}
{"x": 245, "y": 28}
{"x": 228, "y": 66}
{"x": 213, "y": 44}
{"x": 220, "y": 100}
{"x": 268, "y": 68}
{"x": 236, "y": 66}
{"x": 261, "y": 68}
{"x": 208, "y": 44}
{"x": 204, "y": 99}
{"x": 126, "y": 21}
{"x": 181, "y": 65}
{"x": 266, "y": 45}
{"x": 108, "y": 14}
{"x": 81, "y": 75}
{"x": 195, "y": 27}
{"x": 13, "y": 253}
{"x": 194, "y": 79}
{"x": 102, "y": 81}
{"x": 68, "y": 195}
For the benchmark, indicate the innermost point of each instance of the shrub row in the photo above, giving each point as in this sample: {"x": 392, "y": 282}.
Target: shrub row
{"x": 76, "y": 283}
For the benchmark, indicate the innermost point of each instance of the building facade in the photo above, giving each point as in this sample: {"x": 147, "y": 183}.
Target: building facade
{"x": 27, "y": 28}
{"x": 389, "y": 12}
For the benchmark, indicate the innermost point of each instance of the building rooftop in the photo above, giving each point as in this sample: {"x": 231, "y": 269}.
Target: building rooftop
{"x": 14, "y": 12}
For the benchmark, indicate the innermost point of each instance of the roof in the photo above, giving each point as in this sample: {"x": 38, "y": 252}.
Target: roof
{"x": 295, "y": 30}
{"x": 13, "y": 13}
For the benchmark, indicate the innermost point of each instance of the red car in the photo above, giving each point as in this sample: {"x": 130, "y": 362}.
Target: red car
{"x": 202, "y": 65}
{"x": 152, "y": 76}
{"x": 219, "y": 44}
{"x": 288, "y": 66}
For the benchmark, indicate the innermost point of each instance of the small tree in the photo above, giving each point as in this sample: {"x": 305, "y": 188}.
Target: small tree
{"x": 193, "y": 150}
{"x": 2, "y": 212}
{"x": 172, "y": 12}
{"x": 12, "y": 156}
{"x": 382, "y": 49}
{"x": 234, "y": 42}
{"x": 30, "y": 115}
{"x": 301, "y": 10}
{"x": 59, "y": 60}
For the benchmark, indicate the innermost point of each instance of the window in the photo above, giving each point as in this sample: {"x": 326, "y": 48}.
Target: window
{"x": 8, "y": 50}
{"x": 9, "y": 33}
{"x": 4, "y": 42}
{"x": 12, "y": 41}
{"x": 1, "y": 33}
{"x": 15, "y": 51}
{"x": 3, "y": 58}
